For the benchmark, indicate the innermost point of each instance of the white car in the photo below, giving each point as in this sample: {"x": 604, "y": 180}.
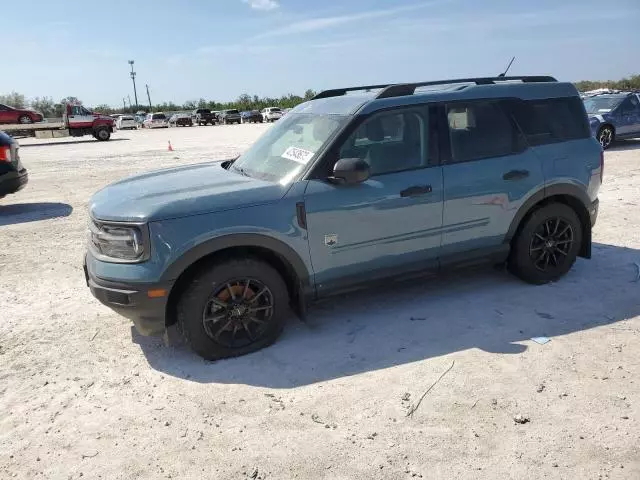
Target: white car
{"x": 271, "y": 114}
{"x": 155, "y": 120}
{"x": 126, "y": 122}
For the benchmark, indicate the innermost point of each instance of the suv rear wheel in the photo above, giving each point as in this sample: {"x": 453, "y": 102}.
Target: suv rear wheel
{"x": 547, "y": 245}
{"x": 233, "y": 308}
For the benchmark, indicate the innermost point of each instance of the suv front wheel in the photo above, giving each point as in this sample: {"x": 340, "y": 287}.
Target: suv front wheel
{"x": 233, "y": 308}
{"x": 547, "y": 245}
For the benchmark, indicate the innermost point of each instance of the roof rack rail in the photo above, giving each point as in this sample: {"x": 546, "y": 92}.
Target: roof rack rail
{"x": 401, "y": 89}
{"x": 336, "y": 92}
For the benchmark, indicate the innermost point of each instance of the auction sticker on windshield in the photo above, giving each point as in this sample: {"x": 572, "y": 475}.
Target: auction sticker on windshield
{"x": 299, "y": 155}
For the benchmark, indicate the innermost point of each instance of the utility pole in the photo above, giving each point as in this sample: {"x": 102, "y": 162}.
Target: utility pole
{"x": 129, "y": 97}
{"x": 133, "y": 79}
{"x": 149, "y": 97}
{"x": 124, "y": 104}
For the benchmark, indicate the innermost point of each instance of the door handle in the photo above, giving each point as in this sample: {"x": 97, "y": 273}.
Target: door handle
{"x": 516, "y": 175}
{"x": 416, "y": 191}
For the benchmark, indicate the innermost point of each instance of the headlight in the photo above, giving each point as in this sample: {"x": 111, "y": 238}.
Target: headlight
{"x": 113, "y": 242}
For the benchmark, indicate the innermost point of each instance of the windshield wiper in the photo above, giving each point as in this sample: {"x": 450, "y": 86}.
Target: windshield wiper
{"x": 240, "y": 170}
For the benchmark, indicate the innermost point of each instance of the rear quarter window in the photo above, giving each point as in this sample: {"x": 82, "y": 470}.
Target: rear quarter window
{"x": 551, "y": 120}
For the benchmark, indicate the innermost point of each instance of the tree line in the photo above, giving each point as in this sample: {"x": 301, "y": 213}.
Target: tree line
{"x": 52, "y": 109}
{"x": 631, "y": 83}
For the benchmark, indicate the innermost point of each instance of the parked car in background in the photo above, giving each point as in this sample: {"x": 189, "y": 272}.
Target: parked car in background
{"x": 10, "y": 115}
{"x": 230, "y": 116}
{"x": 345, "y": 191}
{"x": 13, "y": 176}
{"x": 271, "y": 114}
{"x": 155, "y": 120}
{"x": 252, "y": 116}
{"x": 180, "y": 120}
{"x": 126, "y": 122}
{"x": 203, "y": 116}
{"x": 613, "y": 116}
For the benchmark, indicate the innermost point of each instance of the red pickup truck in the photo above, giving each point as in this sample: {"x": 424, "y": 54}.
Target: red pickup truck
{"x": 76, "y": 121}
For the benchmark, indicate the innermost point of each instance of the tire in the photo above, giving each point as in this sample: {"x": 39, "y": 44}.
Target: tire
{"x": 606, "y": 136}
{"x": 226, "y": 278}
{"x": 557, "y": 223}
{"x": 24, "y": 119}
{"x": 102, "y": 134}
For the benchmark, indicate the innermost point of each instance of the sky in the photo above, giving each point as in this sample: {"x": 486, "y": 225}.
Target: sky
{"x": 219, "y": 49}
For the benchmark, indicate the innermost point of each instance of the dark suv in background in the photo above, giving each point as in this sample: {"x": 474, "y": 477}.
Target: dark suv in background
{"x": 203, "y": 116}
{"x": 13, "y": 176}
{"x": 613, "y": 116}
{"x": 230, "y": 116}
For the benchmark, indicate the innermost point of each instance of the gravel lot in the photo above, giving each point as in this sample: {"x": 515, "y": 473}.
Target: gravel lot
{"x": 82, "y": 395}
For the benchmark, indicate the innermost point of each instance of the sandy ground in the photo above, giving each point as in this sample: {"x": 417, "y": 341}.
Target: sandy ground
{"x": 82, "y": 395}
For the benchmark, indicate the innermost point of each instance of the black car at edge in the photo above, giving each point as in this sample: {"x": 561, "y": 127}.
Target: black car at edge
{"x": 13, "y": 176}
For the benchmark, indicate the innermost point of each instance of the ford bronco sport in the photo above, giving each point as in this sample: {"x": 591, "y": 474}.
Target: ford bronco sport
{"x": 355, "y": 186}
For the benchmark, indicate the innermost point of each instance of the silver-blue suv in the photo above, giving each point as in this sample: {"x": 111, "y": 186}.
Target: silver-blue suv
{"x": 358, "y": 185}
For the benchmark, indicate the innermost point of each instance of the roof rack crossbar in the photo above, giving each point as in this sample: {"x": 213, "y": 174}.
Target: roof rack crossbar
{"x": 401, "y": 89}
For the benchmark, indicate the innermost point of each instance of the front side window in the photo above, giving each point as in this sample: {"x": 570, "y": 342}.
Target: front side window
{"x": 629, "y": 107}
{"x": 390, "y": 141}
{"x": 480, "y": 130}
{"x": 285, "y": 149}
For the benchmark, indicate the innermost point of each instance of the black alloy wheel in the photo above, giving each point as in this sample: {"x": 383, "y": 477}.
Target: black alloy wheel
{"x": 551, "y": 243}
{"x": 238, "y": 312}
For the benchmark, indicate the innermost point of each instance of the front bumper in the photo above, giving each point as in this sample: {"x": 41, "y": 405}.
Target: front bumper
{"x": 593, "y": 211}
{"x": 135, "y": 301}
{"x": 12, "y": 182}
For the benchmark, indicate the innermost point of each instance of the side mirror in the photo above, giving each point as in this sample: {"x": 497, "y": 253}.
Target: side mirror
{"x": 350, "y": 171}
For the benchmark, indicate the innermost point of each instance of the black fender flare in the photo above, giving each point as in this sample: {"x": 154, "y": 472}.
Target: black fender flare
{"x": 566, "y": 189}
{"x": 279, "y": 248}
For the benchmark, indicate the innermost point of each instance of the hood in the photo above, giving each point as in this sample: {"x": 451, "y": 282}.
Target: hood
{"x": 179, "y": 192}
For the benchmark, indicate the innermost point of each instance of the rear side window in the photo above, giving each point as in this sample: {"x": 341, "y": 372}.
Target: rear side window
{"x": 479, "y": 130}
{"x": 551, "y": 120}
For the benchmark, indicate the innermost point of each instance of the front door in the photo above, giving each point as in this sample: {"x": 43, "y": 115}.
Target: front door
{"x": 488, "y": 176}
{"x": 80, "y": 117}
{"x": 389, "y": 224}
{"x": 629, "y": 112}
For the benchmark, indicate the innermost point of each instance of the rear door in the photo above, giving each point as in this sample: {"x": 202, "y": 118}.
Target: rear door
{"x": 488, "y": 174}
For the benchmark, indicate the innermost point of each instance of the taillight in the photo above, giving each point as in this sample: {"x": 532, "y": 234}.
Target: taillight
{"x": 601, "y": 166}
{"x": 5, "y": 154}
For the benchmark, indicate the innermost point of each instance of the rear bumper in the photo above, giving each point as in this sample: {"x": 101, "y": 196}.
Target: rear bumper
{"x": 132, "y": 300}
{"x": 12, "y": 182}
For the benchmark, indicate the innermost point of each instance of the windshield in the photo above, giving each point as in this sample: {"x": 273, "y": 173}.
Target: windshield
{"x": 232, "y": 112}
{"x": 281, "y": 153}
{"x": 159, "y": 116}
{"x": 601, "y": 104}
